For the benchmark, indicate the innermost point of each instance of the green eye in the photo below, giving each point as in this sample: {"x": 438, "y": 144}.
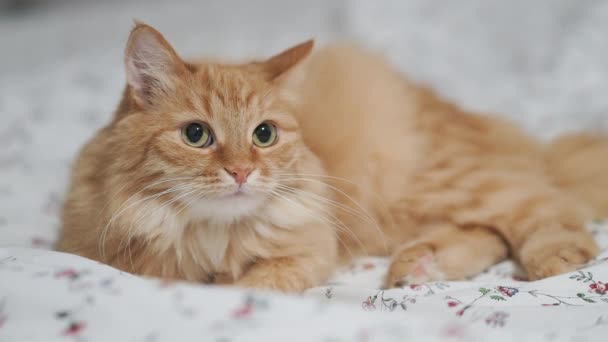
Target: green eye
{"x": 197, "y": 135}
{"x": 265, "y": 135}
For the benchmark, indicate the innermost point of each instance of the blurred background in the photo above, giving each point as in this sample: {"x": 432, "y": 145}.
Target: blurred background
{"x": 542, "y": 63}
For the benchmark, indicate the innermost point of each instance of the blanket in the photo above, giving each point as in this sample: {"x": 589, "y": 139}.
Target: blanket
{"x": 541, "y": 63}
{"x": 51, "y": 296}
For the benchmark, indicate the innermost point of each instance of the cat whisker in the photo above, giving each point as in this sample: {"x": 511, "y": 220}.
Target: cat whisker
{"x": 188, "y": 203}
{"x": 378, "y": 198}
{"x": 323, "y": 200}
{"x": 178, "y": 198}
{"x": 131, "y": 231}
{"x": 119, "y": 212}
{"x": 339, "y": 224}
{"x": 104, "y": 231}
{"x": 153, "y": 196}
{"x": 327, "y": 201}
{"x": 190, "y": 190}
{"x": 316, "y": 175}
{"x": 140, "y": 191}
{"x": 329, "y": 223}
{"x": 110, "y": 200}
{"x": 369, "y": 216}
{"x": 312, "y": 214}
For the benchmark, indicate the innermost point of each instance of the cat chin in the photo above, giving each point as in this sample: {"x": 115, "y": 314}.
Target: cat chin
{"x": 226, "y": 209}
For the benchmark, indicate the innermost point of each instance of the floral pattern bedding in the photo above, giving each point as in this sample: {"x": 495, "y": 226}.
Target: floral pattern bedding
{"x": 61, "y": 81}
{"x": 51, "y": 296}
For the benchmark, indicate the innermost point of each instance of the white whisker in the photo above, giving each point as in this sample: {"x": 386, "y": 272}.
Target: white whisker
{"x": 339, "y": 223}
{"x": 119, "y": 212}
{"x": 314, "y": 215}
{"x": 359, "y": 206}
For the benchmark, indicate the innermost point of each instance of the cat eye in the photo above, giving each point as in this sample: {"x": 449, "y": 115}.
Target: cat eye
{"x": 197, "y": 135}
{"x": 265, "y": 135}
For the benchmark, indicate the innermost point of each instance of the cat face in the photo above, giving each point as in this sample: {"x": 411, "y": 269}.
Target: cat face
{"x": 218, "y": 138}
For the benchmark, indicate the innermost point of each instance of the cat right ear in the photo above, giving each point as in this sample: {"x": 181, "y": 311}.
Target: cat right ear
{"x": 280, "y": 64}
{"x": 153, "y": 67}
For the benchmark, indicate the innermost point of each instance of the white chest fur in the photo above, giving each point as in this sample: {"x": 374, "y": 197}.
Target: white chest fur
{"x": 213, "y": 241}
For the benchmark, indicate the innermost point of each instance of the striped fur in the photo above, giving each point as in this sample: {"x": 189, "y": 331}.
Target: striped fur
{"x": 373, "y": 164}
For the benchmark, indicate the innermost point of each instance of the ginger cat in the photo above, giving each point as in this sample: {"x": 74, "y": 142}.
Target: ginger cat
{"x": 268, "y": 174}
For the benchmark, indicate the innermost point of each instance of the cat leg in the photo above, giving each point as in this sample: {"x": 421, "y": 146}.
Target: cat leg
{"x": 445, "y": 252}
{"x": 554, "y": 250}
{"x": 287, "y": 274}
{"x": 544, "y": 227}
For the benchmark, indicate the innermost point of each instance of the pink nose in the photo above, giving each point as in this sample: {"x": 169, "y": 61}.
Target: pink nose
{"x": 239, "y": 174}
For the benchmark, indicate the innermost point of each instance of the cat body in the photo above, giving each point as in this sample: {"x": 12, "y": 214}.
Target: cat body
{"x": 361, "y": 163}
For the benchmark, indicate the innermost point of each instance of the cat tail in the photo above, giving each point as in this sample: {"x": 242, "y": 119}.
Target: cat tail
{"x": 579, "y": 165}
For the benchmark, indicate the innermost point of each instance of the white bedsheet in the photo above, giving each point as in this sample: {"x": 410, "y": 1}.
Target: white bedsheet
{"x": 50, "y": 296}
{"x": 542, "y": 62}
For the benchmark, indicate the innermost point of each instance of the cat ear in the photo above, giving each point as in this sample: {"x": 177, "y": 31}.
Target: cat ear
{"x": 152, "y": 66}
{"x": 279, "y": 64}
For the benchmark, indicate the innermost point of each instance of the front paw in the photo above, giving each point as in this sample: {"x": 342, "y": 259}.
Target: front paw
{"x": 564, "y": 256}
{"x": 557, "y": 260}
{"x": 277, "y": 282}
{"x": 413, "y": 265}
{"x": 281, "y": 274}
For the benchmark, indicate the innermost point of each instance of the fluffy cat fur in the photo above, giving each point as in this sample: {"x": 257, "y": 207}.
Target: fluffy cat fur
{"x": 365, "y": 164}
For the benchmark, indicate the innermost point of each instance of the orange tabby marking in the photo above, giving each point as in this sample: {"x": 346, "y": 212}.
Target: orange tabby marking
{"x": 364, "y": 163}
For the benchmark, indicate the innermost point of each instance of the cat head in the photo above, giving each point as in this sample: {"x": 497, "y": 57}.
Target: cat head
{"x": 217, "y": 138}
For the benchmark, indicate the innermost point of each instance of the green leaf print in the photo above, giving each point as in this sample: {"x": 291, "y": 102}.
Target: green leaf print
{"x": 582, "y": 296}
{"x": 484, "y": 291}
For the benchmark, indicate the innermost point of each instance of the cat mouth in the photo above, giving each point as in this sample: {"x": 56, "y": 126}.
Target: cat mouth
{"x": 229, "y": 205}
{"x": 238, "y": 193}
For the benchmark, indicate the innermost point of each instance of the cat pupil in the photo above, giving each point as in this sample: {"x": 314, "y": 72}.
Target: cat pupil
{"x": 194, "y": 132}
{"x": 263, "y": 133}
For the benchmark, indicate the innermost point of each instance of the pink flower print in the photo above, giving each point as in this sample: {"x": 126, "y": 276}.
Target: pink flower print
{"x": 368, "y": 304}
{"x": 520, "y": 278}
{"x": 74, "y": 328}
{"x": 460, "y": 312}
{"x": 67, "y": 273}
{"x": 165, "y": 283}
{"x": 363, "y": 335}
{"x": 416, "y": 287}
{"x": 40, "y": 242}
{"x": 53, "y": 204}
{"x": 243, "y": 311}
{"x": 599, "y": 287}
{"x": 452, "y": 330}
{"x": 452, "y": 304}
{"x": 508, "y": 291}
{"x": 497, "y": 319}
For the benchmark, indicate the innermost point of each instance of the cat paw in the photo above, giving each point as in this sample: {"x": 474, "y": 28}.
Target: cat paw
{"x": 274, "y": 284}
{"x": 558, "y": 259}
{"x": 288, "y": 274}
{"x": 413, "y": 265}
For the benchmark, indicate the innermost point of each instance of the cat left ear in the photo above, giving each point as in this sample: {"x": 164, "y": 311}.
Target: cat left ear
{"x": 279, "y": 64}
{"x": 152, "y": 65}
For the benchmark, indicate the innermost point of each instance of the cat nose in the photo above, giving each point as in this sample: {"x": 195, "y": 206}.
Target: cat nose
{"x": 239, "y": 174}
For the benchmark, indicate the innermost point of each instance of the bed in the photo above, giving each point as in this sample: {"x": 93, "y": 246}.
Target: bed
{"x": 51, "y": 296}
{"x": 54, "y": 93}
